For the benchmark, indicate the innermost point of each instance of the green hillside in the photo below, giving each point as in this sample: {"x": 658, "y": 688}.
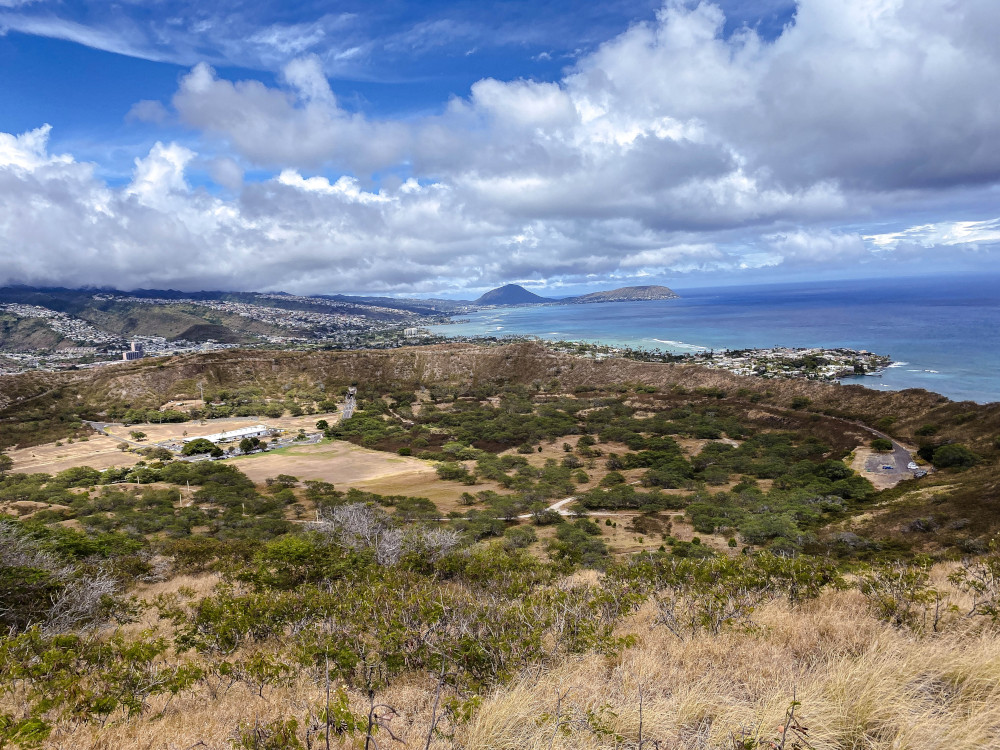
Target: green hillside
{"x": 192, "y": 322}
{"x": 26, "y": 334}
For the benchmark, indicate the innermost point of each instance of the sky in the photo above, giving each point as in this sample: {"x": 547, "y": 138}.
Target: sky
{"x": 446, "y": 147}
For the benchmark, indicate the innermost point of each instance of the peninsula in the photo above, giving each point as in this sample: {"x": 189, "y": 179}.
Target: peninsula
{"x": 511, "y": 295}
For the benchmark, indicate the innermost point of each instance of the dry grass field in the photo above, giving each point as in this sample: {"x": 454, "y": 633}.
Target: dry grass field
{"x": 342, "y": 463}
{"x": 861, "y": 684}
{"x": 423, "y": 481}
{"x": 98, "y": 452}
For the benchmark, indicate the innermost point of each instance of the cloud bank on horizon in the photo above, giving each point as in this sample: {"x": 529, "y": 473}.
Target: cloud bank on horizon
{"x": 859, "y": 137}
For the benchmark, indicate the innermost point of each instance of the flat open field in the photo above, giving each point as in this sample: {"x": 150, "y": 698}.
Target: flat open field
{"x": 445, "y": 495}
{"x": 342, "y": 463}
{"x": 98, "y": 452}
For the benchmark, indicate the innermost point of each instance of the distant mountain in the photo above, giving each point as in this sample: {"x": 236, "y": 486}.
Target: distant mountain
{"x": 511, "y": 294}
{"x": 625, "y": 294}
{"x": 429, "y": 306}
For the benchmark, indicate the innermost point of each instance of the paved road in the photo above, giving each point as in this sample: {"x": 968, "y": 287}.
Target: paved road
{"x": 898, "y": 460}
{"x": 102, "y": 428}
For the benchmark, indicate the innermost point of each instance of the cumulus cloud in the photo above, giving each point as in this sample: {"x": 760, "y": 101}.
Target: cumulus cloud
{"x": 813, "y": 248}
{"x": 226, "y": 172}
{"x": 672, "y": 148}
{"x": 302, "y": 126}
{"x": 853, "y": 97}
{"x": 148, "y": 110}
{"x": 972, "y": 233}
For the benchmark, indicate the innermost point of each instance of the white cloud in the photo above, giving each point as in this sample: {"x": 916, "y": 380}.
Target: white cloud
{"x": 941, "y": 234}
{"x": 669, "y": 149}
{"x": 226, "y": 172}
{"x": 28, "y": 151}
{"x": 300, "y": 127}
{"x": 160, "y": 176}
{"x": 148, "y": 110}
{"x": 854, "y": 97}
{"x": 818, "y": 248}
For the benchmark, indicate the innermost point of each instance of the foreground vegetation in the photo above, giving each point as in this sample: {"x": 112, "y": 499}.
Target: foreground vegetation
{"x": 630, "y": 566}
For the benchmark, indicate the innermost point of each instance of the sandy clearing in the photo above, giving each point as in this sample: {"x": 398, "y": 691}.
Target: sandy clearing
{"x": 444, "y": 494}
{"x": 342, "y": 463}
{"x": 98, "y": 452}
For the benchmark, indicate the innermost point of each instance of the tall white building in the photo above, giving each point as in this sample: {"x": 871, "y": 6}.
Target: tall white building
{"x": 134, "y": 353}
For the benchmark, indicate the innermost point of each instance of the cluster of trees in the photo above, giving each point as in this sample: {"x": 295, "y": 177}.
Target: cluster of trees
{"x": 363, "y": 599}
{"x": 130, "y": 415}
{"x": 254, "y": 402}
{"x": 222, "y": 502}
{"x": 200, "y": 446}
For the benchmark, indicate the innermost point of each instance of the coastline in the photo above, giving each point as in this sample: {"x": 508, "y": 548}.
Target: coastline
{"x": 938, "y": 332}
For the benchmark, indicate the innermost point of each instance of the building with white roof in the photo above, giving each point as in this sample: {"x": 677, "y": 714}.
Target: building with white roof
{"x": 230, "y": 435}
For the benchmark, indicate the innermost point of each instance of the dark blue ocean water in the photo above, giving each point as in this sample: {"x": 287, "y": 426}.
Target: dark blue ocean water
{"x": 944, "y": 334}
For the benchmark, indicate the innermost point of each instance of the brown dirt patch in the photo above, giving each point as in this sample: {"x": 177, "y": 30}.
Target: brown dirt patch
{"x": 445, "y": 495}
{"x": 342, "y": 463}
{"x": 97, "y": 452}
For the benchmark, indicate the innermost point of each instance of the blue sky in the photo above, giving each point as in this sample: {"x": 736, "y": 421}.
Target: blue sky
{"x": 448, "y": 147}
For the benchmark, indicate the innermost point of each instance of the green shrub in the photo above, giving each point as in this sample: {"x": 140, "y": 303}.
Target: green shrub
{"x": 199, "y": 445}
{"x": 954, "y": 455}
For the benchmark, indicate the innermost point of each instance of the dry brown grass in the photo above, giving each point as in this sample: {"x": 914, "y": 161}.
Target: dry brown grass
{"x": 342, "y": 463}
{"x": 861, "y": 684}
{"x": 98, "y": 452}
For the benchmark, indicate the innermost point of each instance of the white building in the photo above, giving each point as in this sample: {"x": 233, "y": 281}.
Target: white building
{"x": 134, "y": 353}
{"x": 225, "y": 437}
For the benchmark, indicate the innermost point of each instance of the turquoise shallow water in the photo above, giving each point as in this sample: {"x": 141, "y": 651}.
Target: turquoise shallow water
{"x": 944, "y": 334}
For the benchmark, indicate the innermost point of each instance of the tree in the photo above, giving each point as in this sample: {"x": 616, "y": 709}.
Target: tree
{"x": 282, "y": 481}
{"x": 954, "y": 455}
{"x": 882, "y": 445}
{"x": 249, "y": 444}
{"x": 137, "y": 435}
{"x": 201, "y": 445}
{"x": 6, "y": 464}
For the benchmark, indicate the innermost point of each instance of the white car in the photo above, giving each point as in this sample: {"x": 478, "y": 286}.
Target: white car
{"x": 912, "y": 465}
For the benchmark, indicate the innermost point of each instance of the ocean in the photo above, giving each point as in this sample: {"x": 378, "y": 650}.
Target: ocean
{"x": 943, "y": 334}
